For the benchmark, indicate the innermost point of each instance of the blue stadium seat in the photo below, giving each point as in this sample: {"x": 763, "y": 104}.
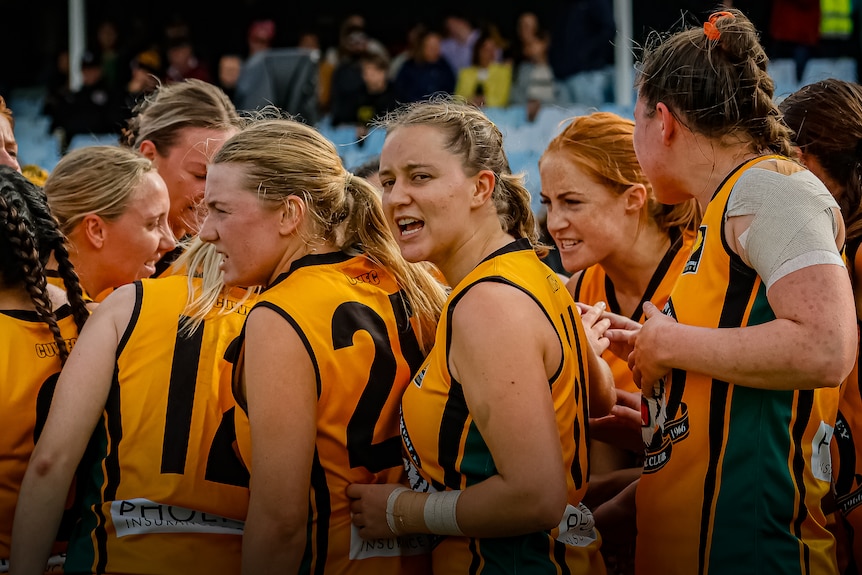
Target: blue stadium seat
{"x": 783, "y": 73}
{"x": 83, "y": 140}
{"x": 822, "y": 68}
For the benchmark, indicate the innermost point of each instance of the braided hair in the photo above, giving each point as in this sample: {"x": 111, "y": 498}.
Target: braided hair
{"x": 30, "y": 236}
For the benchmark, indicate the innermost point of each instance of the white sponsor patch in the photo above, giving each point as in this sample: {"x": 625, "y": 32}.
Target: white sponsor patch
{"x": 577, "y": 528}
{"x": 141, "y": 516}
{"x": 821, "y": 458}
{"x": 396, "y": 547}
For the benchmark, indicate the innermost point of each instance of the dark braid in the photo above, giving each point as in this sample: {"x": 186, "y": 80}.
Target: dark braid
{"x": 24, "y": 250}
{"x": 32, "y": 236}
{"x": 73, "y": 285}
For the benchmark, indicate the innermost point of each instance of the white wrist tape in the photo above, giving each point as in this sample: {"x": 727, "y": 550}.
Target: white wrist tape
{"x": 390, "y": 510}
{"x": 440, "y": 516}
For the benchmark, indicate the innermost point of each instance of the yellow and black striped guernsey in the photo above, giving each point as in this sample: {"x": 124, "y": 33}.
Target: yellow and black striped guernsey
{"x": 734, "y": 475}
{"x": 594, "y": 286}
{"x": 354, "y": 322}
{"x": 444, "y": 449}
{"x": 29, "y": 368}
{"x": 162, "y": 489}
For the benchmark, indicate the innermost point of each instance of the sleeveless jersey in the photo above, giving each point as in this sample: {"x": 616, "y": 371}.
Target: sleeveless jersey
{"x": 847, "y": 456}
{"x": 734, "y": 476}
{"x": 594, "y": 286}
{"x": 444, "y": 449}
{"x": 355, "y": 324}
{"x": 29, "y": 368}
{"x": 162, "y": 490}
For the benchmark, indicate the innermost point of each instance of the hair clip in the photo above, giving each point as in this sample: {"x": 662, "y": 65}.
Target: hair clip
{"x": 709, "y": 27}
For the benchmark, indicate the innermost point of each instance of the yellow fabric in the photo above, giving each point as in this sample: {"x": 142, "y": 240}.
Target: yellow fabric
{"x": 734, "y": 476}
{"x": 836, "y": 18}
{"x": 444, "y": 450}
{"x": 29, "y": 367}
{"x": 351, "y": 315}
{"x": 165, "y": 492}
{"x": 496, "y": 87}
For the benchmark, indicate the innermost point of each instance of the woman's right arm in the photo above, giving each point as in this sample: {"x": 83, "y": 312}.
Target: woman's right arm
{"x": 78, "y": 402}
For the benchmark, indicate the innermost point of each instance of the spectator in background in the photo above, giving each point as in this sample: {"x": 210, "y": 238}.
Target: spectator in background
{"x": 229, "y": 68}
{"x": 344, "y": 50}
{"x": 581, "y": 50}
{"x": 111, "y": 54}
{"x": 794, "y": 30}
{"x": 183, "y": 61}
{"x": 486, "y": 82}
{"x": 377, "y": 95}
{"x": 534, "y": 84}
{"x": 347, "y": 83}
{"x": 414, "y": 34}
{"x": 370, "y": 170}
{"x": 426, "y": 72}
{"x": 8, "y": 144}
{"x": 527, "y": 27}
{"x": 460, "y": 36}
{"x": 181, "y": 56}
{"x": 146, "y": 69}
{"x": 92, "y": 109}
{"x": 261, "y": 34}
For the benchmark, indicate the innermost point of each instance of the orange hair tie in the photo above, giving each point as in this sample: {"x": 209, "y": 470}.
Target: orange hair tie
{"x": 709, "y": 27}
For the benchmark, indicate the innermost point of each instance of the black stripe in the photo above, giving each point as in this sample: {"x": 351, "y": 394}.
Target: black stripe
{"x": 718, "y": 397}
{"x": 451, "y": 426}
{"x": 310, "y": 260}
{"x": 455, "y": 412}
{"x": 740, "y": 286}
{"x": 30, "y": 315}
{"x": 114, "y": 425}
{"x": 181, "y": 400}
{"x": 114, "y": 432}
{"x": 133, "y": 321}
{"x": 580, "y": 389}
{"x": 324, "y": 512}
{"x": 578, "y": 285}
{"x": 476, "y": 557}
{"x": 804, "y": 408}
{"x": 560, "y": 557}
{"x": 566, "y": 330}
{"x": 659, "y": 273}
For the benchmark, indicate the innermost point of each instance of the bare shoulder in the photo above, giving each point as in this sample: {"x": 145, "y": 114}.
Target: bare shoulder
{"x": 490, "y": 307}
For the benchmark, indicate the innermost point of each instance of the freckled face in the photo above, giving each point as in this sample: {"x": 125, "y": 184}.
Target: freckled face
{"x": 586, "y": 219}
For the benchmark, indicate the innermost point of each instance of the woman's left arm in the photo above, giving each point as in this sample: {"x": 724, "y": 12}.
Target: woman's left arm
{"x": 503, "y": 362}
{"x": 810, "y": 344}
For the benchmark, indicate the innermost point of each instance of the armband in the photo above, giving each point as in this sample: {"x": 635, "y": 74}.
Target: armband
{"x": 390, "y": 509}
{"x": 440, "y": 516}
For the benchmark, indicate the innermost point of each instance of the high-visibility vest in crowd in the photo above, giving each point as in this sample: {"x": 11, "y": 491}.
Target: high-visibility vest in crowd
{"x": 836, "y": 19}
